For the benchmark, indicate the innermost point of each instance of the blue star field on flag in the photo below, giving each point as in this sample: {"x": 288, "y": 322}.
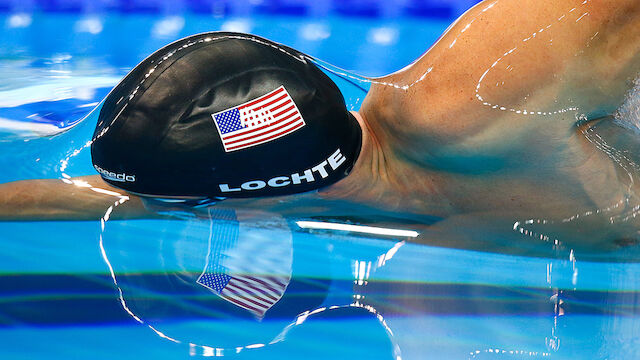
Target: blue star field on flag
{"x": 229, "y": 121}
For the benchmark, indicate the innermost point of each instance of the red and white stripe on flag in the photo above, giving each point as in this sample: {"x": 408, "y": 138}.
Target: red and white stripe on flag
{"x": 263, "y": 119}
{"x": 255, "y": 293}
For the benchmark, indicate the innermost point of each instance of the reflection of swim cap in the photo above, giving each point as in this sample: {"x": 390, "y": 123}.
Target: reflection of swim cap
{"x": 227, "y": 115}
{"x": 202, "y": 280}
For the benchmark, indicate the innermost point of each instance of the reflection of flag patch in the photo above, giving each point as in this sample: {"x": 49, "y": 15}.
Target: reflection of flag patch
{"x": 258, "y": 121}
{"x": 254, "y": 293}
{"x": 253, "y": 273}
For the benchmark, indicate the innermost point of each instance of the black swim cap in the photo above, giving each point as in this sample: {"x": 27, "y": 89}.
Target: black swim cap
{"x": 225, "y": 115}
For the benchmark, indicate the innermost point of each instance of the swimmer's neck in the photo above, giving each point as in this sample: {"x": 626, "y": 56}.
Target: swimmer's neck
{"x": 379, "y": 179}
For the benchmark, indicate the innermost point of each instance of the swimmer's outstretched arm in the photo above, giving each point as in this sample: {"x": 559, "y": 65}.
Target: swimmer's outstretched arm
{"x": 91, "y": 198}
{"x": 82, "y": 198}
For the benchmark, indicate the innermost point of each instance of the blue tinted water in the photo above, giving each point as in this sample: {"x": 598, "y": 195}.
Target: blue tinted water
{"x": 129, "y": 289}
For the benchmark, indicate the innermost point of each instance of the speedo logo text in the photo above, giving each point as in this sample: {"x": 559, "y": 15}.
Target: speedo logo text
{"x": 110, "y": 175}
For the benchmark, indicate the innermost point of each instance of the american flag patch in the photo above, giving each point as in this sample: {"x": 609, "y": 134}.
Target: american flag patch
{"x": 258, "y": 121}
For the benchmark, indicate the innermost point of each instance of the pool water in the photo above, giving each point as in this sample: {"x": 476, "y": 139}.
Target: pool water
{"x": 138, "y": 288}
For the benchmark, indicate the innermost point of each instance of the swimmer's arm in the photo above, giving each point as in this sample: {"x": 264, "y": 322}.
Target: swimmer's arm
{"x": 82, "y": 198}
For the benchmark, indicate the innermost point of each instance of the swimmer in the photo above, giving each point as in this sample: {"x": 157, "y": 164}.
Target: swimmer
{"x": 496, "y": 123}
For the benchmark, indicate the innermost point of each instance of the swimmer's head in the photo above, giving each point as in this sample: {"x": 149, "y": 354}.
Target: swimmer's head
{"x": 225, "y": 115}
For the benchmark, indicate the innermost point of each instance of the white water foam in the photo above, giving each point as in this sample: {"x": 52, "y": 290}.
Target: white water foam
{"x": 628, "y": 115}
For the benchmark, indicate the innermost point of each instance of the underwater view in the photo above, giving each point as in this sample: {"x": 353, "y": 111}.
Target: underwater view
{"x": 550, "y": 271}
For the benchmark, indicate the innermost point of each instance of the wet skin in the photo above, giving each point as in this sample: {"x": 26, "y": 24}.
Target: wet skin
{"x": 496, "y": 123}
{"x": 449, "y": 134}
{"x": 482, "y": 130}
